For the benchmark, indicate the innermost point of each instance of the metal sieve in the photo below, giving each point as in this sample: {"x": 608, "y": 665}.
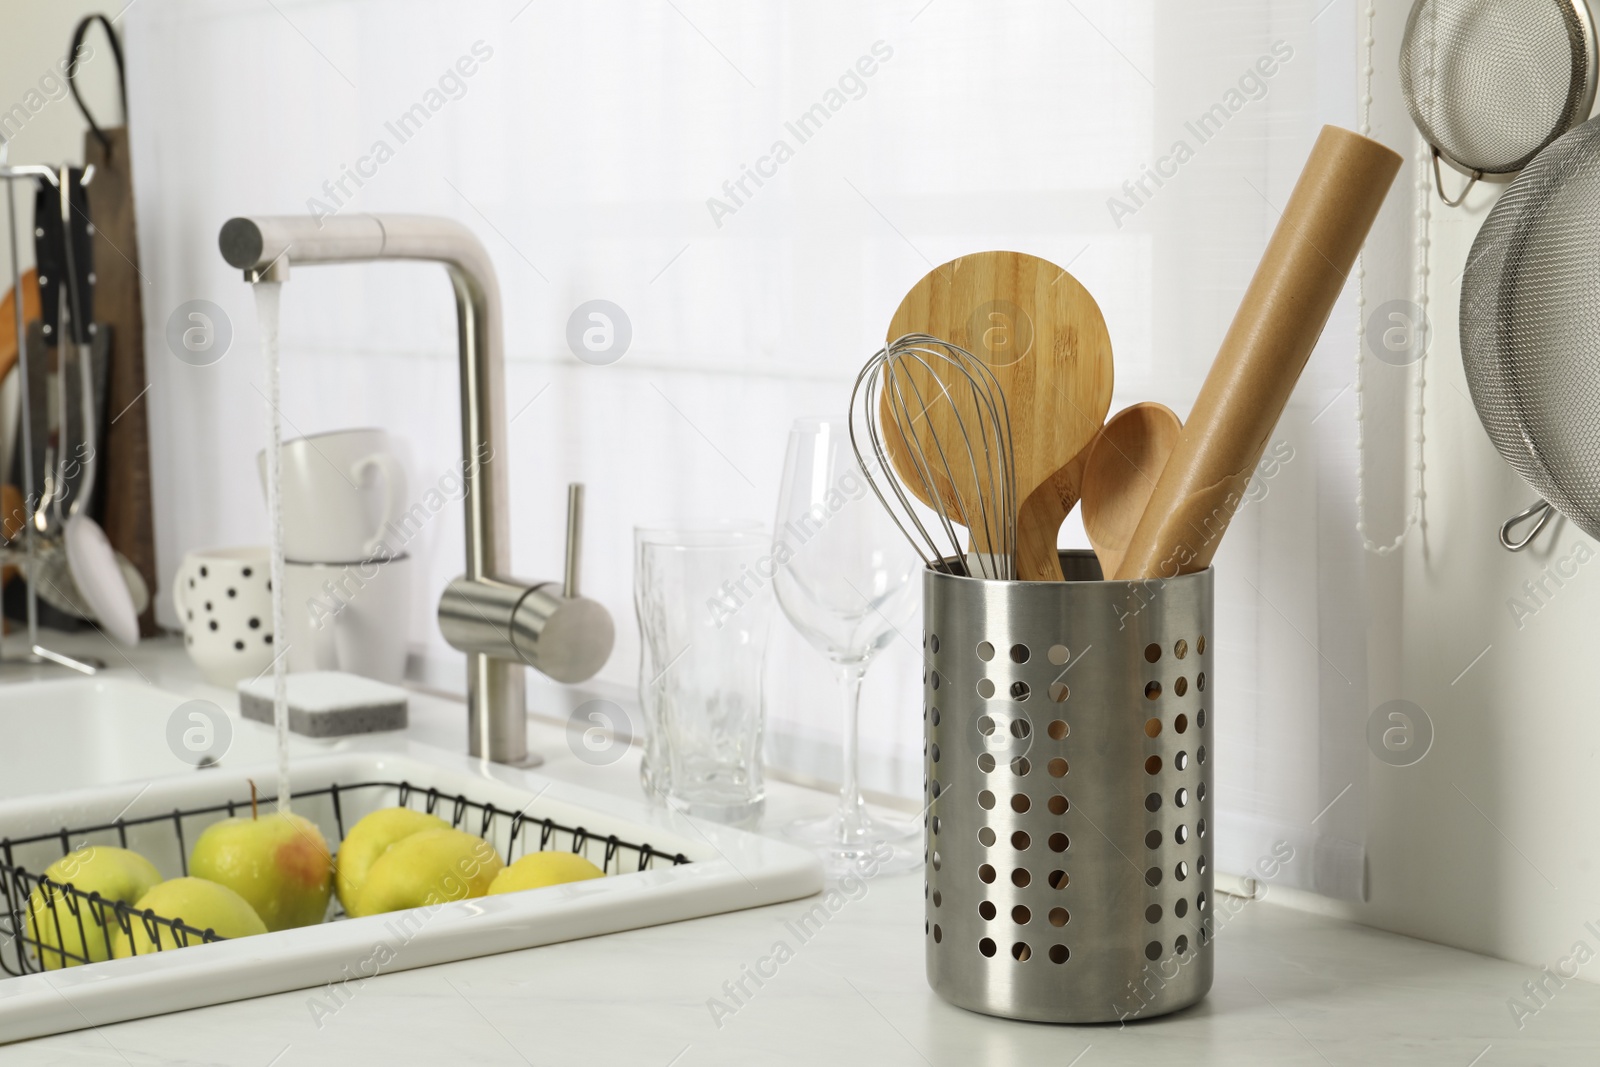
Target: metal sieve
{"x": 1492, "y": 82}
{"x": 1530, "y": 325}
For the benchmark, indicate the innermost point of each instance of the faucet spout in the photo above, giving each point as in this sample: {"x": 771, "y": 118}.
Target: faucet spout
{"x": 264, "y": 248}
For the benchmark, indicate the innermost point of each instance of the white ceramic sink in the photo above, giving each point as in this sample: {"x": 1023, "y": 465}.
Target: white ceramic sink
{"x": 94, "y": 731}
{"x": 64, "y": 735}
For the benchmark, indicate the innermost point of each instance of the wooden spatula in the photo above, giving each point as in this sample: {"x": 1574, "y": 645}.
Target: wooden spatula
{"x": 1042, "y": 334}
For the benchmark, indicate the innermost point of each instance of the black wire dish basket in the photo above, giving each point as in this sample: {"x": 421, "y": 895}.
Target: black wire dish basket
{"x": 66, "y": 924}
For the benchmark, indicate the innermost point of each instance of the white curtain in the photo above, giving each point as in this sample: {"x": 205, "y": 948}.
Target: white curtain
{"x": 671, "y": 156}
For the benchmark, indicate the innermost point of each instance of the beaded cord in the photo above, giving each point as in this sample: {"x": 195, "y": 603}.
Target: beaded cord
{"x": 1424, "y": 216}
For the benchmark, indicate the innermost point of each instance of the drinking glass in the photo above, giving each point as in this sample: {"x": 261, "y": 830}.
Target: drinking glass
{"x": 848, "y": 581}
{"x": 654, "y": 764}
{"x": 704, "y": 615}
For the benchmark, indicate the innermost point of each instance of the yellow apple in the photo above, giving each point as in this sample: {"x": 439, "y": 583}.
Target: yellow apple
{"x": 539, "y": 869}
{"x": 367, "y": 840}
{"x": 115, "y": 873}
{"x": 279, "y": 863}
{"x": 195, "y": 902}
{"x": 430, "y": 867}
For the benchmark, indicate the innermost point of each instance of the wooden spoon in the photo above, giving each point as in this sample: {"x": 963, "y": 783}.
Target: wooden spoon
{"x": 1042, "y": 334}
{"x": 8, "y": 319}
{"x": 12, "y": 519}
{"x": 1120, "y": 472}
{"x": 11, "y": 514}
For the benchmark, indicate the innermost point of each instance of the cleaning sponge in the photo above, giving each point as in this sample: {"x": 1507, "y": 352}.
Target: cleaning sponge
{"x": 328, "y": 704}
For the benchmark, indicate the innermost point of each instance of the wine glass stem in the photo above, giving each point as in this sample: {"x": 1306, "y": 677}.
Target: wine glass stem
{"x": 852, "y": 809}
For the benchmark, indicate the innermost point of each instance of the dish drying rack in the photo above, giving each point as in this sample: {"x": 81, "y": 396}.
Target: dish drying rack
{"x": 21, "y": 950}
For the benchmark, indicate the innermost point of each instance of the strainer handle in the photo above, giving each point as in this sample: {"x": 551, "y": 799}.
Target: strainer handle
{"x": 1540, "y": 508}
{"x": 1438, "y": 183}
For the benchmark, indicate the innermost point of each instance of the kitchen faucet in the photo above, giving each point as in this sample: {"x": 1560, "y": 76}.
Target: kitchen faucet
{"x": 500, "y": 622}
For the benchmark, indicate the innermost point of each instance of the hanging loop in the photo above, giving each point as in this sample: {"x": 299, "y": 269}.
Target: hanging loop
{"x": 78, "y": 35}
{"x": 1438, "y": 183}
{"x": 1539, "y": 508}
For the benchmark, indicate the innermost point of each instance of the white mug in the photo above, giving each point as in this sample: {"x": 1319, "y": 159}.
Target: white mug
{"x": 348, "y": 617}
{"x": 339, "y": 491}
{"x": 223, "y": 597}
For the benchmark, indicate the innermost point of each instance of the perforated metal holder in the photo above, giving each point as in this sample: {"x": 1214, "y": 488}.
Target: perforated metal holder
{"x": 1068, "y": 730}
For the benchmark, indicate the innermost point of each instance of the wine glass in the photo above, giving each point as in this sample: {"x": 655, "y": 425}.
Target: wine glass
{"x": 848, "y": 581}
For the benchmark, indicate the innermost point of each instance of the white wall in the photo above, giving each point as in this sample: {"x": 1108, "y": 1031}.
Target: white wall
{"x": 584, "y": 152}
{"x": 1487, "y": 842}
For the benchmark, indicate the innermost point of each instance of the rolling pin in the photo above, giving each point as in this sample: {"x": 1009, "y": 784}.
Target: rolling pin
{"x": 1283, "y": 313}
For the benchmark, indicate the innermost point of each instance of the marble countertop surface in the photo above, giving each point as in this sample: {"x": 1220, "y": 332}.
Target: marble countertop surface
{"x": 1291, "y": 988}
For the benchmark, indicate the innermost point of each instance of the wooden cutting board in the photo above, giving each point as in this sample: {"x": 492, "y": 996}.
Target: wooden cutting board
{"x": 126, "y": 511}
{"x": 1042, "y": 334}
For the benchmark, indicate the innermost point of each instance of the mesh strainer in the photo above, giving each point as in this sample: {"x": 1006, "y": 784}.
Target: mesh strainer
{"x": 1492, "y": 82}
{"x": 1530, "y": 325}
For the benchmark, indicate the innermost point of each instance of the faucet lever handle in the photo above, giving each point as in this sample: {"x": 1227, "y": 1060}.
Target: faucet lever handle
{"x": 569, "y": 583}
{"x": 549, "y": 626}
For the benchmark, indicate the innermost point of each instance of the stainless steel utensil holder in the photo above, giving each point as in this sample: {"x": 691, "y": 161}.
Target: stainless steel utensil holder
{"x": 1069, "y": 788}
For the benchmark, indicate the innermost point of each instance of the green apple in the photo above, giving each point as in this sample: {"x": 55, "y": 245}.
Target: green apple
{"x": 196, "y": 903}
{"x": 367, "y": 840}
{"x": 115, "y": 873}
{"x": 430, "y": 867}
{"x": 539, "y": 869}
{"x": 279, "y": 863}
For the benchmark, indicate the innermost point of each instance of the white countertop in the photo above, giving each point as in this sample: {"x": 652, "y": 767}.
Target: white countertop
{"x": 1291, "y": 988}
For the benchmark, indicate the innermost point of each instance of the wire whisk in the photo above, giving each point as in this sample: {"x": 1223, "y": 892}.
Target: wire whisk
{"x": 938, "y": 415}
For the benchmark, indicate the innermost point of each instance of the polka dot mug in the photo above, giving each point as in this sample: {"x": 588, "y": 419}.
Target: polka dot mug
{"x": 223, "y": 597}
